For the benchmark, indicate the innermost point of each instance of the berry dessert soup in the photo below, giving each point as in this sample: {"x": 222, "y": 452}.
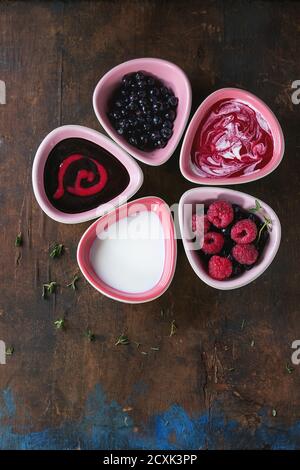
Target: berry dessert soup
{"x": 233, "y": 139}
{"x": 143, "y": 110}
{"x": 79, "y": 175}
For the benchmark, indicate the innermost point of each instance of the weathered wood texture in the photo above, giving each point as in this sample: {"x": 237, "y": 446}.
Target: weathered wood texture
{"x": 51, "y": 57}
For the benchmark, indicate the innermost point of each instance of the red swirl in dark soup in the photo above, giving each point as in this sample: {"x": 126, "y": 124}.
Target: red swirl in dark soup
{"x": 233, "y": 139}
{"x": 80, "y": 175}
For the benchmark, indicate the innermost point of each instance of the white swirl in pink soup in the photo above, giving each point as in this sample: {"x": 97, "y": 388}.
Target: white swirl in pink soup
{"x": 232, "y": 140}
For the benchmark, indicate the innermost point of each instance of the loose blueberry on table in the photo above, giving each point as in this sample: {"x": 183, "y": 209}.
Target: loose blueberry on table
{"x": 233, "y": 239}
{"x": 143, "y": 110}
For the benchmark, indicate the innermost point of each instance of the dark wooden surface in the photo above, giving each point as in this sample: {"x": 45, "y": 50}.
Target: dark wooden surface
{"x": 215, "y": 383}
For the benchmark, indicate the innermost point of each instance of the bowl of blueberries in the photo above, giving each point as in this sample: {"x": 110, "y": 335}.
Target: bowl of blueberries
{"x": 144, "y": 105}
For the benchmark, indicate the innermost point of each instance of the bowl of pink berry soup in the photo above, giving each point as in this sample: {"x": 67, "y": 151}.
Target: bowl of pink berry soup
{"x": 230, "y": 237}
{"x": 144, "y": 105}
{"x": 233, "y": 138}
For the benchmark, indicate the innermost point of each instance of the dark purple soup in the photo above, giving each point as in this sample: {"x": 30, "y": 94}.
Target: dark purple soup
{"x": 79, "y": 175}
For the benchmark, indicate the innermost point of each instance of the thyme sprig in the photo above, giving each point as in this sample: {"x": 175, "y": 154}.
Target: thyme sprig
{"x": 257, "y": 207}
{"x": 9, "y": 351}
{"x": 49, "y": 288}
{"x": 72, "y": 284}
{"x": 90, "y": 336}
{"x": 60, "y": 323}
{"x": 173, "y": 328}
{"x": 267, "y": 224}
{"x": 19, "y": 240}
{"x": 122, "y": 339}
{"x": 56, "y": 250}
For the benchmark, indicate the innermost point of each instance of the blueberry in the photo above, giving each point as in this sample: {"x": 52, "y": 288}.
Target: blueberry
{"x": 173, "y": 101}
{"x": 127, "y": 80}
{"x": 155, "y": 136}
{"x": 166, "y": 132}
{"x": 133, "y": 141}
{"x": 237, "y": 269}
{"x": 139, "y": 76}
{"x": 157, "y": 106}
{"x": 226, "y": 231}
{"x": 170, "y": 115}
{"x": 116, "y": 115}
{"x": 150, "y": 81}
{"x": 157, "y": 120}
{"x": 154, "y": 91}
{"x": 164, "y": 90}
{"x": 168, "y": 124}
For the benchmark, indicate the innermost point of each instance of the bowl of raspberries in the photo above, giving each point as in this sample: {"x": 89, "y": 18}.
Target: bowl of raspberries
{"x": 230, "y": 237}
{"x": 143, "y": 105}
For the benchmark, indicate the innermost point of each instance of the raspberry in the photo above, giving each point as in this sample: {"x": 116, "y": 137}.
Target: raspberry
{"x": 245, "y": 254}
{"x": 219, "y": 268}
{"x": 213, "y": 243}
{"x": 244, "y": 231}
{"x": 200, "y": 224}
{"x": 220, "y": 213}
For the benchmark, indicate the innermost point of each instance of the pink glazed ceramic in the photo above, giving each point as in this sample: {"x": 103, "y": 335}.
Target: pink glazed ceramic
{"x": 71, "y": 131}
{"x": 170, "y": 251}
{"x": 187, "y": 167}
{"x": 207, "y": 195}
{"x": 172, "y": 76}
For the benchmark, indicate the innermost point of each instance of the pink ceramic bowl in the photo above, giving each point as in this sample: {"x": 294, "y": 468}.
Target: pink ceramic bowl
{"x": 172, "y": 76}
{"x": 65, "y": 132}
{"x": 207, "y": 195}
{"x": 186, "y": 165}
{"x": 150, "y": 203}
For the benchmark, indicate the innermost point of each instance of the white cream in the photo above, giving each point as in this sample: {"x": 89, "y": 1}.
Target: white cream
{"x": 130, "y": 254}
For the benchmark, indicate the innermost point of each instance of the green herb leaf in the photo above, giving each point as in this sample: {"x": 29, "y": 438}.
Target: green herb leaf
{"x": 49, "y": 288}
{"x": 72, "y": 284}
{"x": 9, "y": 351}
{"x": 60, "y": 323}
{"x": 173, "y": 328}
{"x": 90, "y": 336}
{"x": 19, "y": 240}
{"x": 267, "y": 224}
{"x": 123, "y": 339}
{"x": 289, "y": 368}
{"x": 56, "y": 250}
{"x": 274, "y": 412}
{"x": 257, "y": 207}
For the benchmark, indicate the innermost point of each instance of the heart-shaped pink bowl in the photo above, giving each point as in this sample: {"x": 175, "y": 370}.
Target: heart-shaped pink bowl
{"x": 150, "y": 203}
{"x": 187, "y": 168}
{"x": 71, "y": 131}
{"x": 172, "y": 76}
{"x": 207, "y": 195}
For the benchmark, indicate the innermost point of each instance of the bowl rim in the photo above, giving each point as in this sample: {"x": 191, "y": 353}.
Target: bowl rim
{"x": 67, "y": 131}
{"x": 187, "y": 142}
{"x": 123, "y": 296}
{"x": 238, "y": 282}
{"x": 175, "y": 139}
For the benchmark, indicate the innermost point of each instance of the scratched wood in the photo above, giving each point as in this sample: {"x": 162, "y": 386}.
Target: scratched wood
{"x": 51, "y": 56}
